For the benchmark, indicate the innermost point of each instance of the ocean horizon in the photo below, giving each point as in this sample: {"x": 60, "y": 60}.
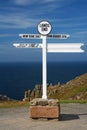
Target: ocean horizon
{"x": 16, "y": 78}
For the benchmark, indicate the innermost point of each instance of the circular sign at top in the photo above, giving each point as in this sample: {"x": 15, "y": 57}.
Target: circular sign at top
{"x": 44, "y": 27}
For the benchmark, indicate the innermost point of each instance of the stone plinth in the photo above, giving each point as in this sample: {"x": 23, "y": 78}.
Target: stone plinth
{"x": 49, "y": 109}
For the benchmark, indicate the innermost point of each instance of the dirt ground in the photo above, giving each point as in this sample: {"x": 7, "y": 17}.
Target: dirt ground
{"x": 73, "y": 117}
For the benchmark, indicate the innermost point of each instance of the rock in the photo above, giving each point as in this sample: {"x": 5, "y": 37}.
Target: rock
{"x": 53, "y": 102}
{"x": 75, "y": 89}
{"x": 32, "y": 94}
{"x": 33, "y": 102}
{"x": 4, "y": 98}
{"x": 44, "y": 102}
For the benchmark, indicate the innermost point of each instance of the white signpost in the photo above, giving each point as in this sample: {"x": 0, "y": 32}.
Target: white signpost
{"x": 44, "y": 29}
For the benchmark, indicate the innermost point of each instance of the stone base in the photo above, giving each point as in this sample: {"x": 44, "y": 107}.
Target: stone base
{"x": 49, "y": 109}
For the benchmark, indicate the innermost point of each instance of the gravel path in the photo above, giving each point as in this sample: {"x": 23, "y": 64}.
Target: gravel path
{"x": 73, "y": 117}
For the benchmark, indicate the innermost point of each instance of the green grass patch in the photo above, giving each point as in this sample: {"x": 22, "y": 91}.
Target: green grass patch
{"x": 71, "y": 93}
{"x": 16, "y": 104}
{"x": 13, "y": 104}
{"x": 74, "y": 101}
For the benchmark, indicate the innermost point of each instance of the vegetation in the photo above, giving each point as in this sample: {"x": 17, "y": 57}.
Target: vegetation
{"x": 13, "y": 104}
{"x": 73, "y": 101}
{"x": 75, "y": 89}
{"x": 16, "y": 104}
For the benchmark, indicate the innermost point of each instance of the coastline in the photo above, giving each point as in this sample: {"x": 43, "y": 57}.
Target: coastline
{"x": 16, "y": 78}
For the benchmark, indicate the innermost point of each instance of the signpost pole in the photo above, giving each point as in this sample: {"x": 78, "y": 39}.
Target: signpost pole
{"x": 44, "y": 58}
{"x": 44, "y": 28}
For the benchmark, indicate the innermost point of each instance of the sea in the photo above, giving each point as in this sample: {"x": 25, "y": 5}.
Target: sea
{"x": 16, "y": 78}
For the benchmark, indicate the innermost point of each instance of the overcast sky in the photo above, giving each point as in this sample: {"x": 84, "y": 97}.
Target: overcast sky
{"x": 23, "y": 16}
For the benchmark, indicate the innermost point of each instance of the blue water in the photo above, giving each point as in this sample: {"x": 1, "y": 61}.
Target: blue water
{"x": 16, "y": 78}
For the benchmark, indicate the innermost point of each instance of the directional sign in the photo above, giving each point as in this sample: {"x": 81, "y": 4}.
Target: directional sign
{"x": 38, "y": 36}
{"x": 30, "y": 36}
{"x": 52, "y": 47}
{"x": 44, "y": 29}
{"x": 63, "y": 47}
{"x": 24, "y": 45}
{"x": 59, "y": 36}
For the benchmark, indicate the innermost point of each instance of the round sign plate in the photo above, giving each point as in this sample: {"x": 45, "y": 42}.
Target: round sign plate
{"x": 44, "y": 27}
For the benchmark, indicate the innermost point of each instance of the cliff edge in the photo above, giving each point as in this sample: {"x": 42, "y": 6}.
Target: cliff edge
{"x": 75, "y": 89}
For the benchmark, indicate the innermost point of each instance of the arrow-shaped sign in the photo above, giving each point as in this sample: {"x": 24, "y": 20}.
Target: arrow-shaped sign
{"x": 25, "y": 45}
{"x": 36, "y": 36}
{"x": 52, "y": 47}
{"x": 63, "y": 47}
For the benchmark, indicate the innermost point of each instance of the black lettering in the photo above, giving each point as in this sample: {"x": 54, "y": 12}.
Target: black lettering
{"x": 44, "y": 29}
{"x": 26, "y": 36}
{"x": 44, "y": 25}
{"x": 49, "y": 35}
{"x": 64, "y": 36}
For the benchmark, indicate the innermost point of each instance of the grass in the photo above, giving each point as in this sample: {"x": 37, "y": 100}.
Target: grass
{"x": 73, "y": 92}
{"x": 16, "y": 104}
{"x": 74, "y": 101}
{"x": 13, "y": 104}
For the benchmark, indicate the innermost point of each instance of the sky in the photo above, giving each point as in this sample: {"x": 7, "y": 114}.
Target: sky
{"x": 23, "y": 16}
